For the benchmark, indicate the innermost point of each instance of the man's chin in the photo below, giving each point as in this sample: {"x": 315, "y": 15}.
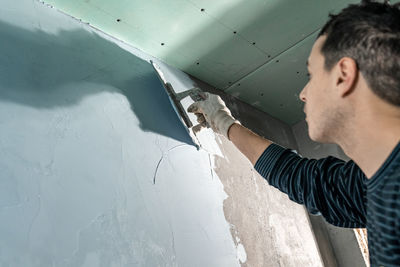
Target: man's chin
{"x": 319, "y": 138}
{"x": 314, "y": 136}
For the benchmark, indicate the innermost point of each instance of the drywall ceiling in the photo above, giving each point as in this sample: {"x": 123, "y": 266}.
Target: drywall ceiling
{"x": 255, "y": 50}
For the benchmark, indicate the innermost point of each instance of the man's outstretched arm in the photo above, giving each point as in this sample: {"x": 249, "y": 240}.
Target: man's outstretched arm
{"x": 249, "y": 143}
{"x": 327, "y": 186}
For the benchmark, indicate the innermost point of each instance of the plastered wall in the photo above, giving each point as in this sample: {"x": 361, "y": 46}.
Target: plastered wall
{"x": 85, "y": 131}
{"x": 97, "y": 170}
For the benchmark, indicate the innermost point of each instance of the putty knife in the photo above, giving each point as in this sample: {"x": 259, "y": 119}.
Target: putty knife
{"x": 175, "y": 99}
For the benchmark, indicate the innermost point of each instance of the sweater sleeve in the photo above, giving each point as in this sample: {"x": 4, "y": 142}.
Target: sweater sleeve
{"x": 329, "y": 186}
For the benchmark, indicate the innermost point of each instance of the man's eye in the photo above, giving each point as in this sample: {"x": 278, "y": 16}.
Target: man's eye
{"x": 309, "y": 75}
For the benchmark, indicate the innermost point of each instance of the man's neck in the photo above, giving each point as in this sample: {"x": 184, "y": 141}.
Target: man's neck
{"x": 370, "y": 142}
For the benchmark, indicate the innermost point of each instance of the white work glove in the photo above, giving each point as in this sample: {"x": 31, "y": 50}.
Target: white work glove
{"x": 212, "y": 112}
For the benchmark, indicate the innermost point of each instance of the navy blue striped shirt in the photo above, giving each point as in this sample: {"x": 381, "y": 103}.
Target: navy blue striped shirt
{"x": 342, "y": 194}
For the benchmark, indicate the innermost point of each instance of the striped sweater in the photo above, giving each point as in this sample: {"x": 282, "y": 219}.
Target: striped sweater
{"x": 342, "y": 194}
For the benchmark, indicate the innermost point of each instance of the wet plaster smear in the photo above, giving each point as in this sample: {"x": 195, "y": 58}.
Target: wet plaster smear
{"x": 96, "y": 168}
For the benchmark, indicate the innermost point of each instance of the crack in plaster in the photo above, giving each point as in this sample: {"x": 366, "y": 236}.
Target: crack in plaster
{"x": 164, "y": 155}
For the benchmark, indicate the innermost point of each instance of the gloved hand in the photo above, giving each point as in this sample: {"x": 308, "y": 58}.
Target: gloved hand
{"x": 212, "y": 112}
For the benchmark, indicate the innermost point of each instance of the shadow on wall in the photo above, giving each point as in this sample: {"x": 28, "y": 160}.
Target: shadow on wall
{"x": 35, "y": 68}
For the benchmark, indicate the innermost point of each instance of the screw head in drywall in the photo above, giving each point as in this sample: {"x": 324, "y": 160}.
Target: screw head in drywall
{"x": 234, "y": 32}
{"x": 254, "y": 43}
{"x": 277, "y": 61}
{"x": 198, "y": 63}
{"x": 162, "y": 44}
{"x": 202, "y": 10}
{"x": 118, "y": 20}
{"x": 261, "y": 94}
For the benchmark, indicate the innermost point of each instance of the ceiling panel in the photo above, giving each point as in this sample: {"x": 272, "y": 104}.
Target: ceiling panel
{"x": 275, "y": 87}
{"x": 223, "y": 42}
{"x": 273, "y": 25}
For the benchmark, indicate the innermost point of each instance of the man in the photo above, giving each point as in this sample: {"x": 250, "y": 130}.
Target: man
{"x": 352, "y": 99}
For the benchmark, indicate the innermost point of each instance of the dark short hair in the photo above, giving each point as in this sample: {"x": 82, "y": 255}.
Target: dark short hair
{"x": 369, "y": 33}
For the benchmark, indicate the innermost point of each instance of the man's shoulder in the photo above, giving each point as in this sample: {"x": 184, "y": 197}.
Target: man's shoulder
{"x": 390, "y": 169}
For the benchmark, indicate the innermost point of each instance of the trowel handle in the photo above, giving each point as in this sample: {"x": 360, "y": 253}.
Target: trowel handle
{"x": 195, "y": 93}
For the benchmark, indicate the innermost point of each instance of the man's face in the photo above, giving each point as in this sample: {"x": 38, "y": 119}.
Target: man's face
{"x": 320, "y": 102}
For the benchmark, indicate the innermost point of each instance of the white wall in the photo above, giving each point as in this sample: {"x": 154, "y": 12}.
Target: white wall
{"x": 85, "y": 126}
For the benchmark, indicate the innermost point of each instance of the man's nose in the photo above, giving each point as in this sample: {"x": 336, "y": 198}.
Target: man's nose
{"x": 302, "y": 95}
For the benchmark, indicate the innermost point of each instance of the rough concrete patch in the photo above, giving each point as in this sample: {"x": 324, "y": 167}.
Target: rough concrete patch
{"x": 273, "y": 230}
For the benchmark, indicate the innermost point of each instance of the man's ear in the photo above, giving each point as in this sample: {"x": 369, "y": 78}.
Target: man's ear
{"x": 347, "y": 76}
